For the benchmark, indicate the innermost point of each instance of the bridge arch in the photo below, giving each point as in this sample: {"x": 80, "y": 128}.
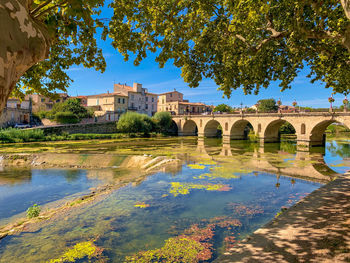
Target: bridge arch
{"x": 212, "y": 129}
{"x": 240, "y": 130}
{"x": 189, "y": 128}
{"x": 317, "y": 134}
{"x": 272, "y": 130}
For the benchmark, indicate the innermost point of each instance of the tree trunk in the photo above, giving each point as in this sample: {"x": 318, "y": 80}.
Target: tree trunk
{"x": 23, "y": 42}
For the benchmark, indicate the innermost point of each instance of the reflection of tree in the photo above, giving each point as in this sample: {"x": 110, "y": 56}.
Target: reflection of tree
{"x": 339, "y": 149}
{"x": 15, "y": 176}
{"x": 72, "y": 175}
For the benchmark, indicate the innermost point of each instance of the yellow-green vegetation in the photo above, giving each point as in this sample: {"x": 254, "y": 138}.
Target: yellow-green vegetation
{"x": 81, "y": 250}
{"x": 178, "y": 188}
{"x": 141, "y": 205}
{"x": 283, "y": 209}
{"x": 33, "y": 211}
{"x": 196, "y": 166}
{"x": 225, "y": 172}
{"x": 178, "y": 249}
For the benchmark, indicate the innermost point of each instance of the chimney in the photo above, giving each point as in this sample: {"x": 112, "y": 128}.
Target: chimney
{"x": 107, "y": 91}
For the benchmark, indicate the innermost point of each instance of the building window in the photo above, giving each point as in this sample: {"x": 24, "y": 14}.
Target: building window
{"x": 171, "y": 94}
{"x": 146, "y": 98}
{"x": 163, "y": 101}
{"x": 57, "y": 100}
{"x": 123, "y": 101}
{"x": 132, "y": 105}
{"x": 43, "y": 100}
{"x": 146, "y": 106}
{"x": 97, "y": 102}
{"x": 132, "y": 97}
{"x": 119, "y": 100}
{"x": 152, "y": 107}
{"x": 152, "y": 99}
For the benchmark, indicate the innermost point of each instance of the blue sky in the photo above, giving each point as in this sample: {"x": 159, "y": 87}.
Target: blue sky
{"x": 159, "y": 80}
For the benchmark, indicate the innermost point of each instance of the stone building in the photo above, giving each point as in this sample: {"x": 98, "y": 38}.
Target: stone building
{"x": 40, "y": 102}
{"x": 174, "y": 103}
{"x": 16, "y": 112}
{"x": 108, "y": 106}
{"x": 140, "y": 100}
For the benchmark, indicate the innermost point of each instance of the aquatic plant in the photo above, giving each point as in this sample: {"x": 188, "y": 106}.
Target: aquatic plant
{"x": 83, "y": 250}
{"x": 177, "y": 249}
{"x": 178, "y": 188}
{"x": 245, "y": 210}
{"x": 195, "y": 244}
{"x": 141, "y": 205}
{"x": 283, "y": 209}
{"x": 196, "y": 166}
{"x": 33, "y": 211}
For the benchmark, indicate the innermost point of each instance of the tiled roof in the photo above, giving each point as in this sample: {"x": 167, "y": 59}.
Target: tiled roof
{"x": 107, "y": 95}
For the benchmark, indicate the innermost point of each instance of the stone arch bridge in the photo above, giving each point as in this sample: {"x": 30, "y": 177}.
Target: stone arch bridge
{"x": 309, "y": 127}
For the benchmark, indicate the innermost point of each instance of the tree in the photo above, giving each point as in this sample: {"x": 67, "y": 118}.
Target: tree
{"x": 267, "y": 105}
{"x": 223, "y": 108}
{"x": 132, "y": 122}
{"x": 40, "y": 39}
{"x": 240, "y": 44}
{"x": 73, "y": 106}
{"x": 163, "y": 120}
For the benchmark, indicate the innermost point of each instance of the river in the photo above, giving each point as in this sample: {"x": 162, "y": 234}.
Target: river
{"x": 217, "y": 195}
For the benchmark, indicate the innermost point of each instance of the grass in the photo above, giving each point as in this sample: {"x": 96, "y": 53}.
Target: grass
{"x": 13, "y": 135}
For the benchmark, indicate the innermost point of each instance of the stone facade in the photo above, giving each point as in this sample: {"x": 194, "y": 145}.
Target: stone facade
{"x": 174, "y": 103}
{"x": 108, "y": 106}
{"x": 100, "y": 128}
{"x": 40, "y": 102}
{"x": 140, "y": 100}
{"x": 16, "y": 112}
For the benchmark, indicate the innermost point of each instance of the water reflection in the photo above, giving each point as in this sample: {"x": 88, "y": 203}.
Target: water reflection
{"x": 280, "y": 159}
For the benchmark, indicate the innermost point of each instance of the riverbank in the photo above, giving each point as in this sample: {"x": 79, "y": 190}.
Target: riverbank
{"x": 316, "y": 229}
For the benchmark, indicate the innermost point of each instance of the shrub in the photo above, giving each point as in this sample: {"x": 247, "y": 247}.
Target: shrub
{"x": 132, "y": 122}
{"x": 163, "y": 121}
{"x": 66, "y": 117}
{"x": 18, "y": 135}
{"x": 33, "y": 211}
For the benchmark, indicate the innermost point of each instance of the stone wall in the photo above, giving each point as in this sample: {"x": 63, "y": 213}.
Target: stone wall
{"x": 100, "y": 128}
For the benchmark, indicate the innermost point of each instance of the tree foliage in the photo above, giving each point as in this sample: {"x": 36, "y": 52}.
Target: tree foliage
{"x": 69, "y": 111}
{"x": 72, "y": 26}
{"x": 223, "y": 108}
{"x": 240, "y": 44}
{"x": 132, "y": 122}
{"x": 267, "y": 105}
{"x": 163, "y": 120}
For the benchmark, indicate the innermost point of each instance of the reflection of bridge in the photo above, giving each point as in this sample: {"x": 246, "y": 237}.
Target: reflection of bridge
{"x": 305, "y": 165}
{"x": 309, "y": 127}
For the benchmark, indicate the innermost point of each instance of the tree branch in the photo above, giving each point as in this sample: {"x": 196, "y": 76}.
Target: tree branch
{"x": 51, "y": 8}
{"x": 346, "y": 7}
{"x": 37, "y": 9}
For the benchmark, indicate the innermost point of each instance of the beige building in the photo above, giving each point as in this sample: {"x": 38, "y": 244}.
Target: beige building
{"x": 174, "y": 103}
{"x": 140, "y": 100}
{"x": 108, "y": 106}
{"x": 40, "y": 102}
{"x": 16, "y": 112}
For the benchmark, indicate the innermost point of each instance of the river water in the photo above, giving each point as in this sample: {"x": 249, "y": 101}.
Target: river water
{"x": 218, "y": 195}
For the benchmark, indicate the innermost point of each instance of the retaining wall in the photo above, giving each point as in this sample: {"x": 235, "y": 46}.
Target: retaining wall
{"x": 100, "y": 128}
